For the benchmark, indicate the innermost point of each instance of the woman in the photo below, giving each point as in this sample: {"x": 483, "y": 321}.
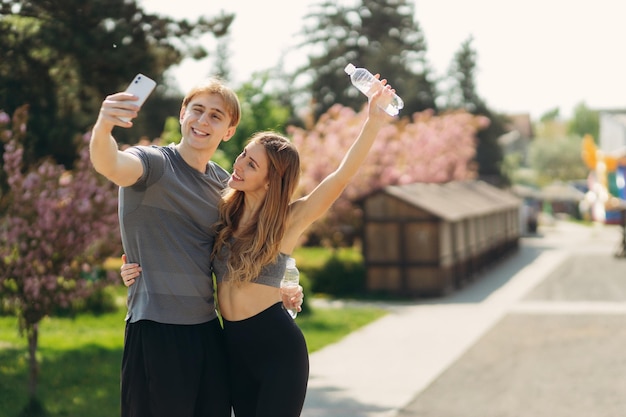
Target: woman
{"x": 259, "y": 226}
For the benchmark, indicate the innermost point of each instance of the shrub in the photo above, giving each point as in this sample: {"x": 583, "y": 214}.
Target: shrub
{"x": 342, "y": 275}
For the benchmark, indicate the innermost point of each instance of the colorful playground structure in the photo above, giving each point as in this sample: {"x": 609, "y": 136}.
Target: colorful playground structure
{"x": 605, "y": 202}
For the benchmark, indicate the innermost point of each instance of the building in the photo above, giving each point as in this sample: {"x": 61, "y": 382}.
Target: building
{"x": 428, "y": 239}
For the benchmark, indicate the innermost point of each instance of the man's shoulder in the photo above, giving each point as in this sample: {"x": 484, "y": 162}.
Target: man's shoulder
{"x": 154, "y": 159}
{"x": 152, "y": 150}
{"x": 219, "y": 172}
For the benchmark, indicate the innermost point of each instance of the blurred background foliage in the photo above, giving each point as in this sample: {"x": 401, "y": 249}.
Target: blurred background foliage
{"x": 62, "y": 59}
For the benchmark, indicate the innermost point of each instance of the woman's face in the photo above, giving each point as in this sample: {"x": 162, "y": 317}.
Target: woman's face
{"x": 250, "y": 170}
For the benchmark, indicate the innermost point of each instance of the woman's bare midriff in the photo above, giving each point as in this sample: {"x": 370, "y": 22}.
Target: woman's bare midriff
{"x": 246, "y": 300}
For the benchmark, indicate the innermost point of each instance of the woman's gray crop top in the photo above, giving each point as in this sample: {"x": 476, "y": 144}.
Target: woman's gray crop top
{"x": 270, "y": 275}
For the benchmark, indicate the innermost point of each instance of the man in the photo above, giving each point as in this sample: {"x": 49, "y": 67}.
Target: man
{"x": 174, "y": 362}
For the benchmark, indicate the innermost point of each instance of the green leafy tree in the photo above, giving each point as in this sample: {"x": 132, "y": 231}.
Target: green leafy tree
{"x": 584, "y": 122}
{"x": 222, "y": 55}
{"x": 551, "y": 115}
{"x": 171, "y": 131}
{"x": 557, "y": 159}
{"x": 261, "y": 110}
{"x": 463, "y": 94}
{"x": 63, "y": 58}
{"x": 462, "y": 74}
{"x": 379, "y": 35}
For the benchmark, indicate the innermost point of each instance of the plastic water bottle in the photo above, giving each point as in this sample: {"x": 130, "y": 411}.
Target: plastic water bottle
{"x": 290, "y": 282}
{"x": 368, "y": 85}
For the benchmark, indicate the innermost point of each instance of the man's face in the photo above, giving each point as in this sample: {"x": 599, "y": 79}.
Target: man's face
{"x": 205, "y": 122}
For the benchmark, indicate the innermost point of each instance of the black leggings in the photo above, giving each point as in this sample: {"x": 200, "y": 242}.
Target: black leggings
{"x": 269, "y": 364}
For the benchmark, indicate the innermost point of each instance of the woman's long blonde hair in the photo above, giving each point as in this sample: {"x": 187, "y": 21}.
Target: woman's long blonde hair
{"x": 259, "y": 243}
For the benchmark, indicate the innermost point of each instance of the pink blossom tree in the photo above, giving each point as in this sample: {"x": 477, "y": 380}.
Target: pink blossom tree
{"x": 426, "y": 148}
{"x": 56, "y": 229}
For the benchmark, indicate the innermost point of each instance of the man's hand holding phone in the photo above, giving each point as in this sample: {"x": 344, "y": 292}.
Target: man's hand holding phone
{"x": 120, "y": 108}
{"x": 141, "y": 86}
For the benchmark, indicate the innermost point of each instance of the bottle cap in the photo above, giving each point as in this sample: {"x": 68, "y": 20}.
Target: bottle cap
{"x": 349, "y": 69}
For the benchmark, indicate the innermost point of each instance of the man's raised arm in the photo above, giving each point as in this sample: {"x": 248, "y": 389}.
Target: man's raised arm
{"x": 119, "y": 167}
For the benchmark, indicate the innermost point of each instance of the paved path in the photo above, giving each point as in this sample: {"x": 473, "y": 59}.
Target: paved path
{"x": 523, "y": 340}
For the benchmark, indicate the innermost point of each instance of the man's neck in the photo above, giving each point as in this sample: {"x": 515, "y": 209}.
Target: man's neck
{"x": 198, "y": 160}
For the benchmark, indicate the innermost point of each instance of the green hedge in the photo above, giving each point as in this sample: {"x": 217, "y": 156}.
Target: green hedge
{"x": 336, "y": 273}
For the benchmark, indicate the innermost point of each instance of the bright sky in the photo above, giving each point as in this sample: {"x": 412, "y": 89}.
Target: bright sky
{"x": 533, "y": 55}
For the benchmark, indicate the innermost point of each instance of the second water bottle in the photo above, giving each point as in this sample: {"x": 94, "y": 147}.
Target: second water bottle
{"x": 368, "y": 85}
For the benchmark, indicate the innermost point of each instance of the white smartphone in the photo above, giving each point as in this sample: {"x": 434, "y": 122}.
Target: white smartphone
{"x": 141, "y": 86}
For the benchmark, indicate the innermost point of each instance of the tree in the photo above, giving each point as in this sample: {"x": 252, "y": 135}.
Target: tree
{"x": 379, "y": 35}
{"x": 584, "y": 122}
{"x": 551, "y": 115}
{"x": 63, "y": 58}
{"x": 429, "y": 148}
{"x": 557, "y": 159}
{"x": 56, "y": 228}
{"x": 260, "y": 110}
{"x": 551, "y": 125}
{"x": 463, "y": 95}
{"x": 222, "y": 53}
{"x": 462, "y": 74}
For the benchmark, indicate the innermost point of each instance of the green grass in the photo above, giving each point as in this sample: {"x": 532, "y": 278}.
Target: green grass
{"x": 79, "y": 365}
{"x": 326, "y": 326}
{"x": 316, "y": 257}
{"x": 80, "y": 358}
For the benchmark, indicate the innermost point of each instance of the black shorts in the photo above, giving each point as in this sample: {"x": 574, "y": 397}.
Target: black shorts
{"x": 269, "y": 364}
{"x": 173, "y": 370}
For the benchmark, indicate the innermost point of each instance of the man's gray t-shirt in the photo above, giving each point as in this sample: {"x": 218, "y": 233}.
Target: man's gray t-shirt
{"x": 165, "y": 222}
